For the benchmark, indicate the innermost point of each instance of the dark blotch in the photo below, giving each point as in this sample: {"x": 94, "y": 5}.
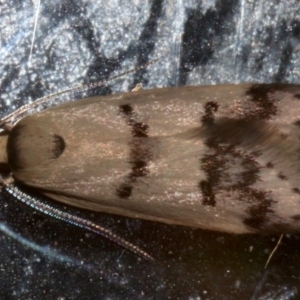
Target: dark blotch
{"x": 282, "y": 176}
{"x": 139, "y": 168}
{"x": 297, "y": 123}
{"x": 220, "y": 166}
{"x": 126, "y": 109}
{"x": 210, "y": 109}
{"x": 140, "y": 129}
{"x": 125, "y": 190}
{"x": 270, "y": 165}
{"x": 258, "y": 212}
{"x": 296, "y": 190}
{"x": 207, "y": 192}
{"x": 297, "y": 96}
{"x": 296, "y": 217}
{"x": 261, "y": 95}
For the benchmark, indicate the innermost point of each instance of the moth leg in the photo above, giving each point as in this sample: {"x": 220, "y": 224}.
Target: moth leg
{"x": 54, "y": 211}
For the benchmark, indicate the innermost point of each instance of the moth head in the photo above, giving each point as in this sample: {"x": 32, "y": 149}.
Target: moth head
{"x": 28, "y": 144}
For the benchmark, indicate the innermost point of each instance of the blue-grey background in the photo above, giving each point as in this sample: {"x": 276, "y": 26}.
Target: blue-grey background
{"x": 196, "y": 42}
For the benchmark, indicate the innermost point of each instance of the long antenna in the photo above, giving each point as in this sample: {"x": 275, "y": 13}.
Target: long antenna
{"x": 34, "y": 29}
{"x": 19, "y": 113}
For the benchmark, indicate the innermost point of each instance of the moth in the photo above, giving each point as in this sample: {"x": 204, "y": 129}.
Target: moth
{"x": 222, "y": 157}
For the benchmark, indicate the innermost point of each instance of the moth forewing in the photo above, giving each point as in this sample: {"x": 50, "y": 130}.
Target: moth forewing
{"x": 216, "y": 157}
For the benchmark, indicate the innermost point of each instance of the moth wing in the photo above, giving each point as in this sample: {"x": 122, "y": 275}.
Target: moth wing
{"x": 221, "y": 158}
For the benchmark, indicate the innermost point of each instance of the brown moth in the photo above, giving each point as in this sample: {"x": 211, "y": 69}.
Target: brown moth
{"x": 220, "y": 157}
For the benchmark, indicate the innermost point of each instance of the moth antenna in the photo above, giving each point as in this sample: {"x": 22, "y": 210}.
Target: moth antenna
{"x": 19, "y": 113}
{"x": 34, "y": 29}
{"x": 73, "y": 220}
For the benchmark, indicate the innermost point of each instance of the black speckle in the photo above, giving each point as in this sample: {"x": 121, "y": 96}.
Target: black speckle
{"x": 297, "y": 96}
{"x": 296, "y": 190}
{"x": 282, "y": 176}
{"x": 270, "y": 165}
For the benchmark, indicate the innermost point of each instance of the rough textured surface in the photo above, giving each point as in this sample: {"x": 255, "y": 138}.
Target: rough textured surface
{"x": 85, "y": 41}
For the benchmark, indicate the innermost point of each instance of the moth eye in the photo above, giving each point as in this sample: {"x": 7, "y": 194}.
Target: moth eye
{"x": 57, "y": 145}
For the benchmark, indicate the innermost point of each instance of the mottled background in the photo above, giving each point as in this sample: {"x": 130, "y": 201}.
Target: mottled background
{"x": 196, "y": 42}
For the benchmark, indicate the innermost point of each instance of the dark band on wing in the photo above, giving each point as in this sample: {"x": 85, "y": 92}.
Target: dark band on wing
{"x": 213, "y": 177}
{"x": 231, "y": 172}
{"x": 140, "y": 153}
{"x": 221, "y": 167}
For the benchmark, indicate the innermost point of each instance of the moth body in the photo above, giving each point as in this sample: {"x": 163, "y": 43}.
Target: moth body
{"x": 216, "y": 157}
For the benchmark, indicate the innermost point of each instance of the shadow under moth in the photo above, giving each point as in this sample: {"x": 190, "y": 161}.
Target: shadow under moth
{"x": 222, "y": 157}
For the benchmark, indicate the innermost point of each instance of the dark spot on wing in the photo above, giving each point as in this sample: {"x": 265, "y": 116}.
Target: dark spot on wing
{"x": 296, "y": 217}
{"x": 210, "y": 109}
{"x": 297, "y": 123}
{"x": 232, "y": 171}
{"x": 296, "y": 190}
{"x": 262, "y": 96}
{"x": 297, "y": 96}
{"x": 207, "y": 192}
{"x": 270, "y": 165}
{"x": 258, "y": 212}
{"x": 126, "y": 109}
{"x": 282, "y": 176}
{"x": 125, "y": 190}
